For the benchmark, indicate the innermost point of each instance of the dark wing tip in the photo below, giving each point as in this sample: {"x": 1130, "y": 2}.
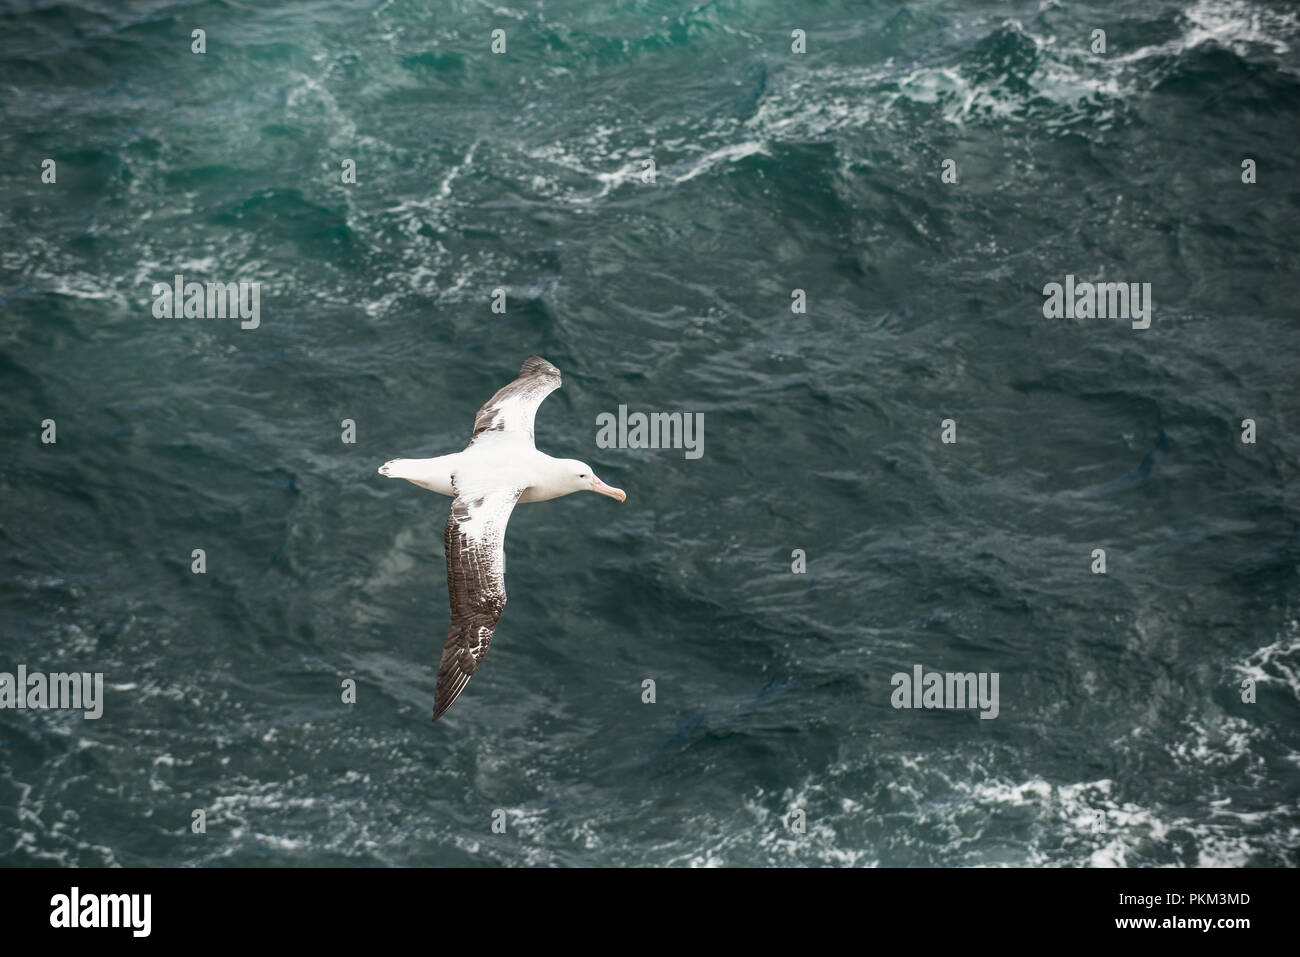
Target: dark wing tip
{"x": 536, "y": 365}
{"x": 446, "y": 695}
{"x": 453, "y": 677}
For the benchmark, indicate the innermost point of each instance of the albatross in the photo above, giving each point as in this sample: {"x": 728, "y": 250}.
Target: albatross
{"x": 499, "y": 468}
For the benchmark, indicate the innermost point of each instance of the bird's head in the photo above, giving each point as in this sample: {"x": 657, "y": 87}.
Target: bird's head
{"x": 578, "y": 477}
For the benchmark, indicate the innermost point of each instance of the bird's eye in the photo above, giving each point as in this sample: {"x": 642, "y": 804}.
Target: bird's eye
{"x": 583, "y": 475}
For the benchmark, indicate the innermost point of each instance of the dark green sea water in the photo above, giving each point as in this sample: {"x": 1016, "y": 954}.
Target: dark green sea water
{"x": 1122, "y": 737}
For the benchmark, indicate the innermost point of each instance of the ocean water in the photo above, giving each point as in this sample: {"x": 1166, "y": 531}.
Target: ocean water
{"x": 1121, "y": 738}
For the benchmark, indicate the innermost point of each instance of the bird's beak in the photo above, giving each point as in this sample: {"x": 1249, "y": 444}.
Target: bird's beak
{"x": 598, "y": 486}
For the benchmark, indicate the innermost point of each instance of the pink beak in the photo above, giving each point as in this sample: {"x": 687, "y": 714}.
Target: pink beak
{"x": 598, "y": 486}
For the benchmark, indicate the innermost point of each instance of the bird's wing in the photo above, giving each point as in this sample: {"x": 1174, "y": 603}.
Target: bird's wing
{"x": 476, "y": 584}
{"x": 514, "y": 406}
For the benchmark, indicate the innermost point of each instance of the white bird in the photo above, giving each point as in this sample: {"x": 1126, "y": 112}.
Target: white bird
{"x": 498, "y": 468}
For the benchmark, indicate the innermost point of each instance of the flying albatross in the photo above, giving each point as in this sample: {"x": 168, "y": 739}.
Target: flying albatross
{"x": 498, "y": 468}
